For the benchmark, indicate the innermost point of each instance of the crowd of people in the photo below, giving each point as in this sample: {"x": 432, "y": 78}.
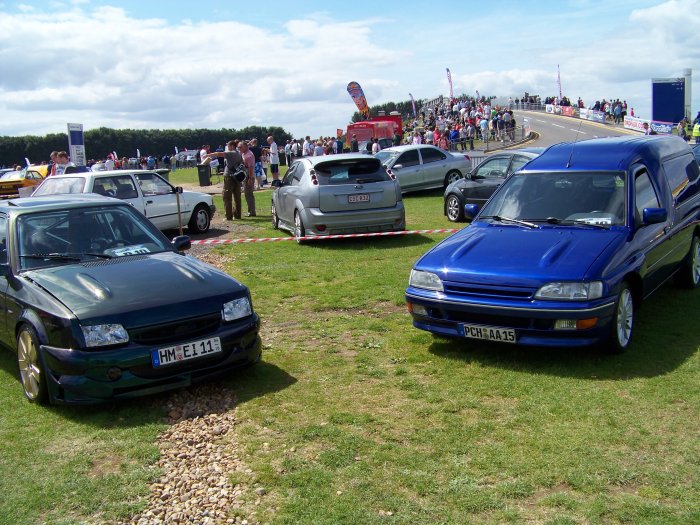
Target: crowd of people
{"x": 453, "y": 125}
{"x": 447, "y": 124}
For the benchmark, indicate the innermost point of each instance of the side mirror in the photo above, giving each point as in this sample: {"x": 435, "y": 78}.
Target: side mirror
{"x": 654, "y": 215}
{"x": 181, "y": 243}
{"x": 178, "y": 189}
{"x": 470, "y": 210}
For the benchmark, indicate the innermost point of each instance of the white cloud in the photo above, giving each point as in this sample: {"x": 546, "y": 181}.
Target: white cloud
{"x": 105, "y": 67}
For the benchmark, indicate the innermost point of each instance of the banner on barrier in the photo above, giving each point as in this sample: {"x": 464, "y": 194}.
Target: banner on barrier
{"x": 592, "y": 115}
{"x": 637, "y": 124}
{"x": 568, "y": 111}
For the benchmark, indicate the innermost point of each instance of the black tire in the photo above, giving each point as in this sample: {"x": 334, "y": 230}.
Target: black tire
{"x": 31, "y": 369}
{"x": 299, "y": 229}
{"x": 275, "y": 218}
{"x": 452, "y": 176}
{"x": 200, "y": 220}
{"x": 689, "y": 274}
{"x": 621, "y": 330}
{"x": 454, "y": 209}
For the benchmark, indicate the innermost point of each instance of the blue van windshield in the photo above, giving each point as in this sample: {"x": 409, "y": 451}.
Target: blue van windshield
{"x": 596, "y": 198}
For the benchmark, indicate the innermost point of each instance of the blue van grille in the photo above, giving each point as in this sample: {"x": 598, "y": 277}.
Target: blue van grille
{"x": 481, "y": 290}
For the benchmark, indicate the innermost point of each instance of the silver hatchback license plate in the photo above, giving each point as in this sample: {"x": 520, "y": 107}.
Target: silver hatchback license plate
{"x": 359, "y": 197}
{"x": 489, "y": 333}
{"x": 176, "y": 354}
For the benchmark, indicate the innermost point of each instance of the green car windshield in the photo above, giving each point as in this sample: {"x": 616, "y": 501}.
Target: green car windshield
{"x": 62, "y": 237}
{"x": 592, "y": 198}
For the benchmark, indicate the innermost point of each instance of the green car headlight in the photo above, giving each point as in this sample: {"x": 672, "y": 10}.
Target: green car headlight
{"x": 104, "y": 335}
{"x": 236, "y": 309}
{"x": 427, "y": 280}
{"x": 571, "y": 291}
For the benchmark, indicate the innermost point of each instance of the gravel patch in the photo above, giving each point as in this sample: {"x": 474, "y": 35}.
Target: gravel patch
{"x": 198, "y": 458}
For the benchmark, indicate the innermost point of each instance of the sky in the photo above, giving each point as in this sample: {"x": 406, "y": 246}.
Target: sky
{"x": 209, "y": 64}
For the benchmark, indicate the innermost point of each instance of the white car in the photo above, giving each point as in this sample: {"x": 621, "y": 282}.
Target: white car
{"x": 146, "y": 190}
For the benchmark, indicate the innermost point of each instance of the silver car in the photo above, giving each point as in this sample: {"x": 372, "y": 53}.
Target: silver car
{"x": 338, "y": 194}
{"x": 424, "y": 167}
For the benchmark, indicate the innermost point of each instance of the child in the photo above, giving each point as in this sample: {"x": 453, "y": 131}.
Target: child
{"x": 265, "y": 159}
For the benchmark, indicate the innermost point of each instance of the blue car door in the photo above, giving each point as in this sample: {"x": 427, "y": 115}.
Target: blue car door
{"x": 652, "y": 239}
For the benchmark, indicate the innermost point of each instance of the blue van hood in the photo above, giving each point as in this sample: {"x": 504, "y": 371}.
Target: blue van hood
{"x": 498, "y": 254}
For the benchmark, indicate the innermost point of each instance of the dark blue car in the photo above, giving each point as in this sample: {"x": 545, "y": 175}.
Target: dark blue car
{"x": 565, "y": 251}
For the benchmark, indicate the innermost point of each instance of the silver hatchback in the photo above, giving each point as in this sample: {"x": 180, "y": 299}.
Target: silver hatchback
{"x": 424, "y": 167}
{"x": 338, "y": 194}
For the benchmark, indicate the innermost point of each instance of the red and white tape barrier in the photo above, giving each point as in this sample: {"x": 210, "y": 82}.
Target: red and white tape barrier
{"x": 325, "y": 237}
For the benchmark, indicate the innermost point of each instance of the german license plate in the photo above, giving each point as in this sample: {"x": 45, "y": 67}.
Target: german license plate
{"x": 359, "y": 197}
{"x": 489, "y": 333}
{"x": 176, "y": 354}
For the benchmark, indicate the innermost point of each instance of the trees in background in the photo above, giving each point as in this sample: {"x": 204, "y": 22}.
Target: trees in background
{"x": 102, "y": 141}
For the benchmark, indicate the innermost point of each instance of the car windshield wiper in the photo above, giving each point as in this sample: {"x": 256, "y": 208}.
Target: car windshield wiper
{"x": 65, "y": 256}
{"x": 578, "y": 222}
{"x": 499, "y": 218}
{"x": 54, "y": 256}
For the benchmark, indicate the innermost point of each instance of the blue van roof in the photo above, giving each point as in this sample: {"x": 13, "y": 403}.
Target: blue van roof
{"x": 615, "y": 153}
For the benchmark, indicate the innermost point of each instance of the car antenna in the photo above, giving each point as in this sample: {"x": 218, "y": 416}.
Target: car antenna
{"x": 571, "y": 154}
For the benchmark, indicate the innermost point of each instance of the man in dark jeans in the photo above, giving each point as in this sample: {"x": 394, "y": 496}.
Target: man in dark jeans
{"x": 354, "y": 146}
{"x": 232, "y": 188}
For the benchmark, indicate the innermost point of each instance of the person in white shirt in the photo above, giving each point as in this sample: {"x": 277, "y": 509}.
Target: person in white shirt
{"x": 274, "y": 161}
{"x": 62, "y": 162}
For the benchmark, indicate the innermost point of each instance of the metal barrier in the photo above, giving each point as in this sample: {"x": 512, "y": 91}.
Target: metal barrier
{"x": 492, "y": 141}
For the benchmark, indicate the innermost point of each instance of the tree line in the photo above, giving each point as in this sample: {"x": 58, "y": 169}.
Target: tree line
{"x": 102, "y": 141}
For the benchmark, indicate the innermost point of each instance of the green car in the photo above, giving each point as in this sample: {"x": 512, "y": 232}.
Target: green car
{"x": 99, "y": 304}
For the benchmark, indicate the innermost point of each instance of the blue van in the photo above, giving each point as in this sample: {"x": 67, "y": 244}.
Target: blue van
{"x": 566, "y": 250}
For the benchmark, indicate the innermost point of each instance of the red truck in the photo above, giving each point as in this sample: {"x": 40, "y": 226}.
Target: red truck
{"x": 383, "y": 127}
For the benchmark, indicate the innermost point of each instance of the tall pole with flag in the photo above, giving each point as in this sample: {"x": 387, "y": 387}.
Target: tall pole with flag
{"x": 413, "y": 103}
{"x": 449, "y": 79}
{"x": 559, "y": 83}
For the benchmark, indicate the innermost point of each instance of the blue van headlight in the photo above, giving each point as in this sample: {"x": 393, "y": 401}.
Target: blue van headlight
{"x": 427, "y": 280}
{"x": 564, "y": 291}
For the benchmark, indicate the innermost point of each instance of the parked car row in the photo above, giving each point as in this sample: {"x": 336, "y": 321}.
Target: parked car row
{"x": 571, "y": 242}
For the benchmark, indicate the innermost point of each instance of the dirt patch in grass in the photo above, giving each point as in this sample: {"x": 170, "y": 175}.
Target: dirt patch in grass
{"x": 104, "y": 466}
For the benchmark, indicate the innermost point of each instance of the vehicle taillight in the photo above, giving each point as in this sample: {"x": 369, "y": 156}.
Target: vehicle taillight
{"x": 467, "y": 157}
{"x": 321, "y": 227}
{"x": 314, "y": 179}
{"x": 390, "y": 173}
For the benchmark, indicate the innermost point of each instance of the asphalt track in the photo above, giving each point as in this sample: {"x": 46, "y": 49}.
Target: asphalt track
{"x": 553, "y": 129}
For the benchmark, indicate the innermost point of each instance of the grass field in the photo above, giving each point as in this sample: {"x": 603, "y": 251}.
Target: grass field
{"x": 356, "y": 417}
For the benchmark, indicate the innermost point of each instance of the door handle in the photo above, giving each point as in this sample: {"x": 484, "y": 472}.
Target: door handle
{"x": 149, "y": 202}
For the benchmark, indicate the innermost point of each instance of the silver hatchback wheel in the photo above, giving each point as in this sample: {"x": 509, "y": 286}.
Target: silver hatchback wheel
{"x": 275, "y": 219}
{"x": 299, "y": 230}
